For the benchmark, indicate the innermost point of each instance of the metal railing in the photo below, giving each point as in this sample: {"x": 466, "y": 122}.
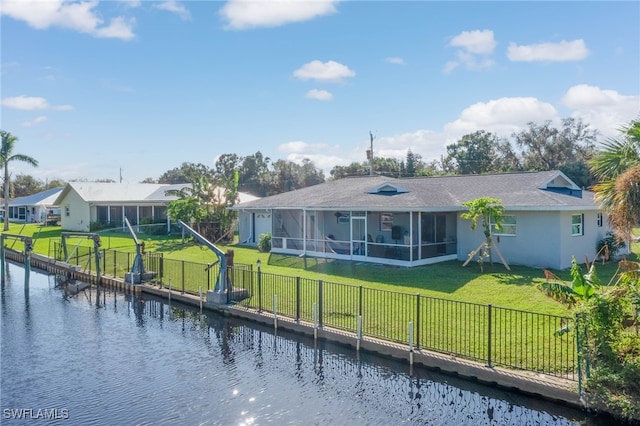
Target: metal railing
{"x": 494, "y": 336}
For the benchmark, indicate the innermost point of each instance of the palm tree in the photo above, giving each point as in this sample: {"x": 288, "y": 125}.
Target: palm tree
{"x": 617, "y": 168}
{"x": 7, "y": 156}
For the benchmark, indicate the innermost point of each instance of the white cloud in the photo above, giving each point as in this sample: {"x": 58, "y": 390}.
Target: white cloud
{"x": 323, "y": 71}
{"x": 297, "y": 151}
{"x": 473, "y": 62}
{"x": 242, "y": 14}
{"x": 175, "y": 7}
{"x": 34, "y": 122}
{"x": 75, "y": 16}
{"x": 475, "y": 47}
{"x": 320, "y": 95}
{"x": 395, "y": 60}
{"x": 32, "y": 103}
{"x": 501, "y": 116}
{"x": 605, "y": 110}
{"x": 575, "y": 50}
{"x": 479, "y": 42}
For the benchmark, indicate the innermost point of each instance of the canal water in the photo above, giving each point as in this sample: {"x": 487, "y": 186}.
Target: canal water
{"x": 72, "y": 356}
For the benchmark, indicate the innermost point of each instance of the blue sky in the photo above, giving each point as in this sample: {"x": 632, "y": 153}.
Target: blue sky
{"x": 98, "y": 87}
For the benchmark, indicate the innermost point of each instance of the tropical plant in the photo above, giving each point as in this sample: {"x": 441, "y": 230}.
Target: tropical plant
{"x": 582, "y": 287}
{"x": 605, "y": 316}
{"x": 7, "y": 156}
{"x": 490, "y": 211}
{"x": 617, "y": 168}
{"x": 609, "y": 246}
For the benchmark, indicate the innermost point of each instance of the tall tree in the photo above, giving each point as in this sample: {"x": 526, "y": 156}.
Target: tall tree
{"x": 55, "y": 183}
{"x": 548, "y": 148}
{"x": 617, "y": 168}
{"x": 24, "y": 185}
{"x": 7, "y": 156}
{"x": 186, "y": 173}
{"x": 474, "y": 153}
{"x": 254, "y": 174}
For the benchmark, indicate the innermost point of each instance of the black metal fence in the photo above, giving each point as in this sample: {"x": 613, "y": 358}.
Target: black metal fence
{"x": 492, "y": 335}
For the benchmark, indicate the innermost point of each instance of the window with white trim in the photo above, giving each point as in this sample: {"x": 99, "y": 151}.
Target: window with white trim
{"x": 507, "y": 227}
{"x": 577, "y": 224}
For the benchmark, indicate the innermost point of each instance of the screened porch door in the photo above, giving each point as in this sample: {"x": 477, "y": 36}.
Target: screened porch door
{"x": 358, "y": 236}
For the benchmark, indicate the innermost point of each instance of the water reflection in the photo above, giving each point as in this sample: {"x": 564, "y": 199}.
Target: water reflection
{"x": 111, "y": 358}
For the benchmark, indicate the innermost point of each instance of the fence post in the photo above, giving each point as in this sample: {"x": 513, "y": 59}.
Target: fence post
{"x": 579, "y": 354}
{"x": 104, "y": 260}
{"x": 183, "y": 277}
{"x": 418, "y": 321}
{"x": 275, "y": 311}
{"x": 298, "y": 299}
{"x": 489, "y": 336}
{"x": 360, "y": 290}
{"x": 320, "y": 303}
{"x": 208, "y": 278}
{"x": 115, "y": 262}
{"x": 259, "y": 289}
{"x": 410, "y": 343}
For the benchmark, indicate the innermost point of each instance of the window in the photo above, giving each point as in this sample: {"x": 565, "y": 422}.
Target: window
{"x": 599, "y": 220}
{"x": 66, "y": 211}
{"x": 386, "y": 221}
{"x": 508, "y": 226}
{"x": 577, "y": 227}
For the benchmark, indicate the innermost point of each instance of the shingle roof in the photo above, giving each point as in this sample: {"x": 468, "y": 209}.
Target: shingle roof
{"x": 531, "y": 191}
{"x": 44, "y": 198}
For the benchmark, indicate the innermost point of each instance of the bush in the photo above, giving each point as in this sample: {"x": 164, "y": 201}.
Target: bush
{"x": 609, "y": 246}
{"x": 264, "y": 243}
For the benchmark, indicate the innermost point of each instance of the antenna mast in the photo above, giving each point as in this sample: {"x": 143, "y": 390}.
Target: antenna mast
{"x": 370, "y": 155}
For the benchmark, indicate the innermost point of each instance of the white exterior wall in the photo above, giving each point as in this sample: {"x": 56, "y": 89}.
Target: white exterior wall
{"x": 582, "y": 246}
{"x": 542, "y": 240}
{"x": 79, "y": 215}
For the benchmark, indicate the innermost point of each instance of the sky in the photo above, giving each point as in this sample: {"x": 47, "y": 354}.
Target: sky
{"x": 127, "y": 90}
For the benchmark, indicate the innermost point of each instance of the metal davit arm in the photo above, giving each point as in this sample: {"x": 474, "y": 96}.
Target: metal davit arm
{"x": 138, "y": 263}
{"x": 96, "y": 245}
{"x": 221, "y": 280}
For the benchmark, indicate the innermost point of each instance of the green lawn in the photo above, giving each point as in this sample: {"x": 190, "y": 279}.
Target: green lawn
{"x": 452, "y": 314}
{"x": 497, "y": 286}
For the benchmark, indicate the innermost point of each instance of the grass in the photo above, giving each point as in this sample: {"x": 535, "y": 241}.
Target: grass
{"x": 454, "y": 321}
{"x": 514, "y": 289}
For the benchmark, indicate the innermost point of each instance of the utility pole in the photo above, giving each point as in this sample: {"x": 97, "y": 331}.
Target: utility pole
{"x": 120, "y": 174}
{"x": 370, "y": 155}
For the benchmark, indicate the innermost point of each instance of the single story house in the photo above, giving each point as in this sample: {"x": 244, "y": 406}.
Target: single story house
{"x": 34, "y": 208}
{"x": 83, "y": 203}
{"x": 417, "y": 221}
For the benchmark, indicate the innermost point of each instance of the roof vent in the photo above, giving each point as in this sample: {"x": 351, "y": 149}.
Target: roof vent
{"x": 387, "y": 189}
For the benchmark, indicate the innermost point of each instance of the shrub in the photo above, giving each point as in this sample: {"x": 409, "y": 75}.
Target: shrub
{"x": 609, "y": 246}
{"x": 264, "y": 243}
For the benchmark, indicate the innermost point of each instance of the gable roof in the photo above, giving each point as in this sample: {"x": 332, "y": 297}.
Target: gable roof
{"x": 101, "y": 192}
{"x": 44, "y": 198}
{"x": 551, "y": 190}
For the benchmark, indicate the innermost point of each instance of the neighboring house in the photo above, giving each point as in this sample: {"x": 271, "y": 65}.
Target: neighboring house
{"x": 34, "y": 208}
{"x": 416, "y": 221}
{"x": 83, "y": 203}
